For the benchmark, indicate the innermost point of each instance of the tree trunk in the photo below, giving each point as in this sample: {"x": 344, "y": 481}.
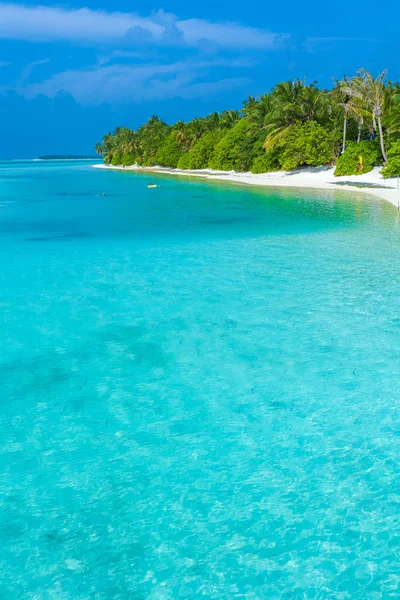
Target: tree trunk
{"x": 344, "y": 132}
{"x": 360, "y": 125}
{"x": 382, "y": 141}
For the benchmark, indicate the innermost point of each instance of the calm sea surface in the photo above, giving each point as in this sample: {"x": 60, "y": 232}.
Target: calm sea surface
{"x": 200, "y": 390}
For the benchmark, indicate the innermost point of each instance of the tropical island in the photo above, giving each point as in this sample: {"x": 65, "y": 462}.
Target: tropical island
{"x": 352, "y": 128}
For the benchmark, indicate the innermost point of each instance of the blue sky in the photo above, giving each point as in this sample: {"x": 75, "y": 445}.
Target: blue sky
{"x": 70, "y": 72}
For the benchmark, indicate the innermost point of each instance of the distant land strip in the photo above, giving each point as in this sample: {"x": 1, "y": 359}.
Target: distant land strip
{"x": 67, "y": 157}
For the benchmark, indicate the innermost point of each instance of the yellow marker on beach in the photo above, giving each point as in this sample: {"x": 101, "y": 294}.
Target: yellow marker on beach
{"x": 361, "y": 166}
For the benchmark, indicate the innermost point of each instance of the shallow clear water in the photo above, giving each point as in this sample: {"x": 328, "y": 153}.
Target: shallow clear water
{"x": 200, "y": 390}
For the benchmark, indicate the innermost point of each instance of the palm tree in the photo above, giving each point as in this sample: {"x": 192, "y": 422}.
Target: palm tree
{"x": 108, "y": 147}
{"x": 229, "y": 118}
{"x": 153, "y": 121}
{"x": 368, "y": 94}
{"x": 257, "y": 112}
{"x": 360, "y": 126}
{"x": 180, "y": 129}
{"x": 212, "y": 121}
{"x": 99, "y": 148}
{"x": 126, "y": 140}
{"x": 195, "y": 130}
{"x": 249, "y": 105}
{"x": 392, "y": 108}
{"x": 293, "y": 102}
{"x": 346, "y": 114}
{"x": 342, "y": 98}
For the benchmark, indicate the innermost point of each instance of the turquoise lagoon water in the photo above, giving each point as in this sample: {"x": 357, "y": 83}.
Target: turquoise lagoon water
{"x": 200, "y": 390}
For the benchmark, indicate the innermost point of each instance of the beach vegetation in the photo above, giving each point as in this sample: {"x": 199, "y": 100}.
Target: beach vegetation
{"x": 306, "y": 144}
{"x": 266, "y": 162}
{"x": 392, "y": 167}
{"x": 203, "y": 150}
{"x": 295, "y": 124}
{"x": 169, "y": 152}
{"x": 227, "y": 154}
{"x": 116, "y": 158}
{"x": 184, "y": 161}
{"x": 128, "y": 159}
{"x": 359, "y": 158}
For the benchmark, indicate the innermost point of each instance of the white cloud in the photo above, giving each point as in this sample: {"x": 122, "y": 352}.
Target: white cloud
{"x": 228, "y": 35}
{"x": 128, "y": 65}
{"x": 46, "y": 23}
{"x": 136, "y": 83}
{"x": 87, "y": 26}
{"x": 27, "y": 70}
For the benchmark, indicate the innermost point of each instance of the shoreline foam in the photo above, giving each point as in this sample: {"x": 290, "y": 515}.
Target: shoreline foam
{"x": 309, "y": 177}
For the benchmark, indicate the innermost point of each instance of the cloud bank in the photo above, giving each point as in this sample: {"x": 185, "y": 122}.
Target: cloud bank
{"x": 87, "y": 26}
{"x": 138, "y": 83}
{"x": 120, "y": 58}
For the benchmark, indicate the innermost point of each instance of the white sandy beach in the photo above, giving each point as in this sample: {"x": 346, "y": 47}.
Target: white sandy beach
{"x": 309, "y": 177}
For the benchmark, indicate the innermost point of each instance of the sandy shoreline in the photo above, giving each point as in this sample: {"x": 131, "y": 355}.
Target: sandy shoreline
{"x": 312, "y": 177}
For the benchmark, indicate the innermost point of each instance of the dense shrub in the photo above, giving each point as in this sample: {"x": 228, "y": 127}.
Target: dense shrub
{"x": 394, "y": 149}
{"x": 116, "y": 159}
{"x": 128, "y": 159}
{"x": 306, "y": 144}
{"x": 203, "y": 150}
{"x": 251, "y": 146}
{"x": 266, "y": 162}
{"x": 184, "y": 161}
{"x": 392, "y": 167}
{"x": 226, "y": 155}
{"x": 148, "y": 160}
{"x": 169, "y": 153}
{"x": 348, "y": 163}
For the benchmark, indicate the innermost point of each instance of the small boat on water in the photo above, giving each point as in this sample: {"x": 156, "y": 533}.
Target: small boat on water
{"x": 152, "y": 185}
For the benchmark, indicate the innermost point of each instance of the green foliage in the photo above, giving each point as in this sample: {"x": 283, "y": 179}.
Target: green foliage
{"x": 226, "y": 155}
{"x": 116, "y": 159}
{"x": 203, "y": 150}
{"x": 266, "y": 162}
{"x": 306, "y": 144}
{"x": 392, "y": 167}
{"x": 184, "y": 161}
{"x": 128, "y": 159}
{"x": 169, "y": 152}
{"x": 294, "y": 102}
{"x": 148, "y": 160}
{"x": 394, "y": 149}
{"x": 348, "y": 163}
{"x": 250, "y": 147}
{"x": 298, "y": 123}
{"x": 149, "y": 138}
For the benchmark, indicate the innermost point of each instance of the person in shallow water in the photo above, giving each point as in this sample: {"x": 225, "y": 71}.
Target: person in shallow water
{"x": 152, "y": 185}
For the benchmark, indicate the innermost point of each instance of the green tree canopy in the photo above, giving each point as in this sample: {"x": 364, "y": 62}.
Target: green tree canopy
{"x": 169, "y": 153}
{"x": 306, "y": 144}
{"x": 294, "y": 124}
